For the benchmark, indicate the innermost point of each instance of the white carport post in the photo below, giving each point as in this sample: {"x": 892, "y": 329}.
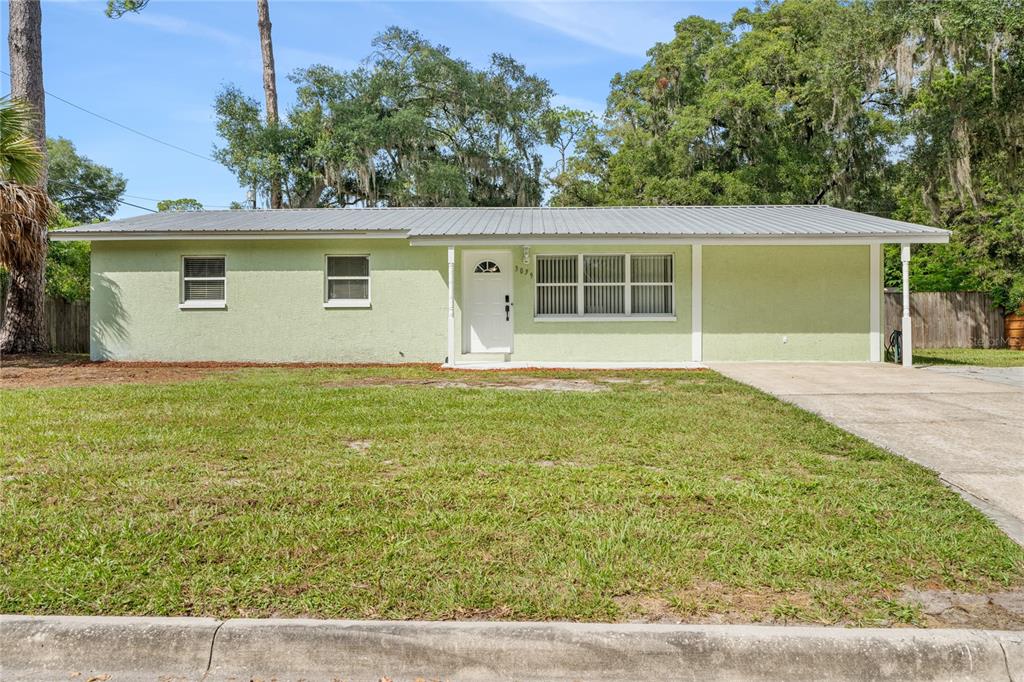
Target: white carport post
{"x": 908, "y": 341}
{"x": 451, "y": 306}
{"x": 875, "y": 307}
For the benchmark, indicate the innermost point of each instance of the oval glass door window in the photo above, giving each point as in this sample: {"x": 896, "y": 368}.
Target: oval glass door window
{"x": 486, "y": 266}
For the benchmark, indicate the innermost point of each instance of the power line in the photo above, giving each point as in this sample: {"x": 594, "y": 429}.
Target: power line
{"x": 128, "y": 203}
{"x": 87, "y": 192}
{"x": 121, "y": 125}
{"x": 136, "y": 196}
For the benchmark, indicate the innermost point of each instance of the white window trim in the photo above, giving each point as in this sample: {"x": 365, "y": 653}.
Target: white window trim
{"x": 628, "y": 315}
{"x": 203, "y": 305}
{"x": 348, "y": 302}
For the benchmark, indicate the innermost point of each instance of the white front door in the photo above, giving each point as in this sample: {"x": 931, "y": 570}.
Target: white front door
{"x": 487, "y": 301}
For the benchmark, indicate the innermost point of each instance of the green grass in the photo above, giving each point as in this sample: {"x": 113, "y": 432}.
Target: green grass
{"x": 986, "y": 357}
{"x": 678, "y": 493}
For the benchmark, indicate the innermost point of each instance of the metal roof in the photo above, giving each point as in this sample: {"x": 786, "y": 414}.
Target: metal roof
{"x": 535, "y": 224}
{"x": 281, "y": 220}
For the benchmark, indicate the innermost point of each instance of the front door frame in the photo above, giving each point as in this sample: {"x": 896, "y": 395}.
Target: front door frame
{"x": 469, "y": 260}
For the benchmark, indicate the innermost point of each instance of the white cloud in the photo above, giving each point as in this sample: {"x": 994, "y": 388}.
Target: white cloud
{"x": 596, "y": 108}
{"x": 629, "y": 28}
{"x": 183, "y": 27}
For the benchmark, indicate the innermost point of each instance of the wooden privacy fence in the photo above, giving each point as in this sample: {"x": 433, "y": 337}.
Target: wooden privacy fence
{"x": 948, "y": 319}
{"x": 67, "y": 323}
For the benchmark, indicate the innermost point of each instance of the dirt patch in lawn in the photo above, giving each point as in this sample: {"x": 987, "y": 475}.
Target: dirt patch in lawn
{"x": 503, "y": 383}
{"x": 992, "y": 611}
{"x": 64, "y": 371}
{"x": 53, "y": 370}
{"x": 715, "y": 603}
{"x": 550, "y": 463}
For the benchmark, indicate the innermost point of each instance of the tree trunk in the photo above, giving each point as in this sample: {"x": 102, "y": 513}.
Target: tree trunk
{"x": 269, "y": 85}
{"x": 25, "y": 43}
{"x": 23, "y": 329}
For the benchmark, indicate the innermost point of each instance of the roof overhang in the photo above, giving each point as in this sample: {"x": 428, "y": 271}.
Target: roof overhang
{"x": 467, "y": 226}
{"x": 937, "y": 237}
{"x": 250, "y": 235}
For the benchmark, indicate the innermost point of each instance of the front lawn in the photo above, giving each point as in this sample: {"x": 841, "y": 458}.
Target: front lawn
{"x": 985, "y": 357}
{"x": 419, "y": 493}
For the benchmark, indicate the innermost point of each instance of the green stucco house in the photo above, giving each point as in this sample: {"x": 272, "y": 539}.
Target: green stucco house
{"x": 662, "y": 286}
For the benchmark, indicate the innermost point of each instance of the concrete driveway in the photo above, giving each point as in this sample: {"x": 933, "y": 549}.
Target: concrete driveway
{"x": 966, "y": 423}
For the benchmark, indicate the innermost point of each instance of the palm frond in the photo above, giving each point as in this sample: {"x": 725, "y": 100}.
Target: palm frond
{"x": 25, "y": 211}
{"x": 21, "y": 159}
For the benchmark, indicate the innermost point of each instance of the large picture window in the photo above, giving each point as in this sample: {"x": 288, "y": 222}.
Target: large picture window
{"x": 605, "y": 285}
{"x": 203, "y": 282}
{"x": 348, "y": 281}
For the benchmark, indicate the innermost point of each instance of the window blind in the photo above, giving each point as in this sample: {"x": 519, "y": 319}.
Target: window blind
{"x": 556, "y": 285}
{"x": 604, "y": 291}
{"x": 651, "y": 287}
{"x": 204, "y": 278}
{"x": 348, "y": 279}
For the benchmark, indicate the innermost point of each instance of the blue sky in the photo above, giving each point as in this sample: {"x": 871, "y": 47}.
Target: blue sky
{"x": 160, "y": 70}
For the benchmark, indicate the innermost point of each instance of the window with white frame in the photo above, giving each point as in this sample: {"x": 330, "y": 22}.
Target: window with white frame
{"x": 605, "y": 285}
{"x": 651, "y": 287}
{"x": 557, "y": 284}
{"x": 348, "y": 281}
{"x": 203, "y": 281}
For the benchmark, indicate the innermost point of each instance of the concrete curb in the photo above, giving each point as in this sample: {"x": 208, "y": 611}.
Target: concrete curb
{"x": 53, "y": 647}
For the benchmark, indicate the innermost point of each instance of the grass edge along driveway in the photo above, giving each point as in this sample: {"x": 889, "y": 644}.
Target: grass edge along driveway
{"x": 983, "y": 357}
{"x": 419, "y": 493}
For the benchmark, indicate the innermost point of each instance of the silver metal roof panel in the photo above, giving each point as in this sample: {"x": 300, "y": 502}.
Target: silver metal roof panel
{"x": 438, "y": 224}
